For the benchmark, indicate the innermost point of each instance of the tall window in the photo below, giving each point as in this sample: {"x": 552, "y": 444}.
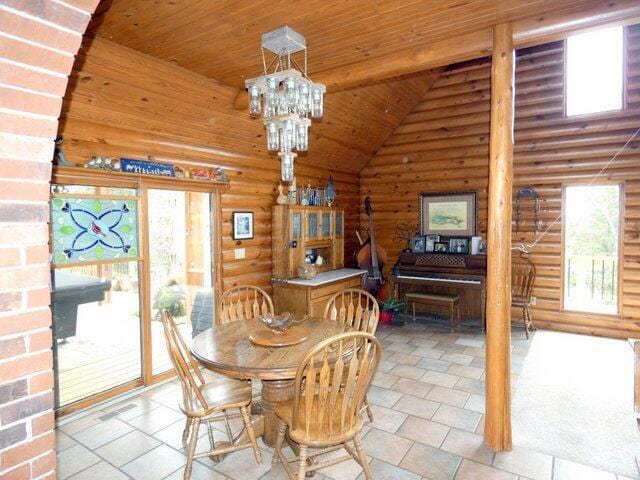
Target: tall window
{"x": 591, "y": 256}
{"x": 595, "y": 71}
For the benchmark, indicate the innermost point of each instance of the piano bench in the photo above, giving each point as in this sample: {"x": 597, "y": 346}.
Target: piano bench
{"x": 435, "y": 299}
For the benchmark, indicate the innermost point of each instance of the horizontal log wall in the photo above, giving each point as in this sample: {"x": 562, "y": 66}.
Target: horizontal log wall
{"x": 123, "y": 103}
{"x": 442, "y": 145}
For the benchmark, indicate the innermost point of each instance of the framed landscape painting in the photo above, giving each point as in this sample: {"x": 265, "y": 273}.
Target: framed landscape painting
{"x": 449, "y": 214}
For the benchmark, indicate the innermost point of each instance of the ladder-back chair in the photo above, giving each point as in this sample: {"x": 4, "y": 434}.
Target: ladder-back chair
{"x": 523, "y": 278}
{"x": 358, "y": 309}
{"x": 244, "y": 302}
{"x": 207, "y": 402}
{"x": 325, "y": 412}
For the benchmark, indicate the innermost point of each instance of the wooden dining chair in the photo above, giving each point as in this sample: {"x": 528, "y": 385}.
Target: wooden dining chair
{"x": 207, "y": 402}
{"x": 325, "y": 413}
{"x": 244, "y": 302}
{"x": 358, "y": 309}
{"x": 523, "y": 278}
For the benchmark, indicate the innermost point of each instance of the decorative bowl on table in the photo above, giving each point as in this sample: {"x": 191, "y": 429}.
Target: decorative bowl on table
{"x": 278, "y": 324}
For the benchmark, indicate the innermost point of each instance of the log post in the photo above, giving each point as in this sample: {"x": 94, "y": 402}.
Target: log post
{"x": 497, "y": 431}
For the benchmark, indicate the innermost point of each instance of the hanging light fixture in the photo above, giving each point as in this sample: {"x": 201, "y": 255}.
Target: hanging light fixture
{"x": 286, "y": 98}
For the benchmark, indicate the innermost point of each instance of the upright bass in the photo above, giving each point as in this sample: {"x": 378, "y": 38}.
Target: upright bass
{"x": 372, "y": 257}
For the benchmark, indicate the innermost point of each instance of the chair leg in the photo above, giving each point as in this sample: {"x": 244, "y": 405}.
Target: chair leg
{"x": 193, "y": 441}
{"x": 210, "y": 434}
{"x": 525, "y": 321}
{"x": 227, "y": 427}
{"x": 362, "y": 457}
{"x": 251, "y": 432}
{"x": 185, "y": 432}
{"x": 277, "y": 450}
{"x": 368, "y": 407}
{"x": 302, "y": 462}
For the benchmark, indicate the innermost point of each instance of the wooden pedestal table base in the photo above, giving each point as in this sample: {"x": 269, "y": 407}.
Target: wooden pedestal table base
{"x": 226, "y": 349}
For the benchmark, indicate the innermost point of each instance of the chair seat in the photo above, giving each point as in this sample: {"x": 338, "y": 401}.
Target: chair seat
{"x": 220, "y": 392}
{"x": 319, "y": 434}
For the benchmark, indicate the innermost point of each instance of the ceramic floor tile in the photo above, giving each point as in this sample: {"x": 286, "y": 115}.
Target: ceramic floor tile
{"x": 526, "y": 462}
{"x": 387, "y": 419}
{"x": 156, "y": 419}
{"x": 63, "y": 441}
{"x": 399, "y": 337}
{"x": 127, "y": 448}
{"x": 423, "y": 431}
{"x": 468, "y": 445}
{"x": 430, "y": 462}
{"x": 429, "y": 352}
{"x": 412, "y": 387}
{"x": 448, "y": 396}
{"x": 423, "y": 342}
{"x": 457, "y": 417}
{"x": 408, "y": 371}
{"x": 384, "y": 471}
{"x": 416, "y": 406}
{"x": 467, "y": 371}
{"x": 382, "y": 396}
{"x": 386, "y": 446}
{"x": 433, "y": 364}
{"x": 404, "y": 358}
{"x": 439, "y": 378}
{"x": 199, "y": 472}
{"x": 73, "y": 460}
{"x": 242, "y": 465}
{"x": 385, "y": 366}
{"x": 349, "y": 470}
{"x": 470, "y": 470}
{"x": 102, "y": 433}
{"x": 566, "y": 470}
{"x": 100, "y": 471}
{"x": 155, "y": 464}
{"x": 476, "y": 403}
{"x": 470, "y": 385}
{"x": 384, "y": 380}
{"x": 400, "y": 347}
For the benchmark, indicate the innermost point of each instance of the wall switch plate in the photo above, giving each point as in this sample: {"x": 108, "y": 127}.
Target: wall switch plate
{"x": 239, "y": 253}
{"x": 534, "y": 300}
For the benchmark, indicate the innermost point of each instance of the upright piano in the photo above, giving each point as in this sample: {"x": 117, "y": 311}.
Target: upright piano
{"x": 444, "y": 273}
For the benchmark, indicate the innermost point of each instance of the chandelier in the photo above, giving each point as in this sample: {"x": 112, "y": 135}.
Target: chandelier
{"x": 286, "y": 97}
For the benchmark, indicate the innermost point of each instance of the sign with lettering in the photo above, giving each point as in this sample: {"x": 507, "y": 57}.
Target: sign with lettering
{"x": 145, "y": 167}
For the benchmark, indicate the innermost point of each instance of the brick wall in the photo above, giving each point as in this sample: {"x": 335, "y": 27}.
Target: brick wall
{"x": 38, "y": 42}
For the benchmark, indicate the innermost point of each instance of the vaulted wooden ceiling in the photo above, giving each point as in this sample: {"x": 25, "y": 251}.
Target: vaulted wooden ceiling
{"x": 221, "y": 40}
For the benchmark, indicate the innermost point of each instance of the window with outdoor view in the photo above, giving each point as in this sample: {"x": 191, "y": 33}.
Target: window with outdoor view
{"x": 595, "y": 71}
{"x": 591, "y": 248}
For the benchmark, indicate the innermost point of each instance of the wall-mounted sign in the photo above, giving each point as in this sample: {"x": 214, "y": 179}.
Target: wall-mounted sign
{"x": 145, "y": 167}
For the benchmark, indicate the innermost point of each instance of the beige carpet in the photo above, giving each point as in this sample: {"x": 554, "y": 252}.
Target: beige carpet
{"x": 575, "y": 400}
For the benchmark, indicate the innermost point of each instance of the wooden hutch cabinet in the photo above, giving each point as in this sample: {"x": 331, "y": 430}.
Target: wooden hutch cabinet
{"x": 297, "y": 232}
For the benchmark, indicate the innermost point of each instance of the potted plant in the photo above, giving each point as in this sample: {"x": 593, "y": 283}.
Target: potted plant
{"x": 388, "y": 308}
{"x": 171, "y": 298}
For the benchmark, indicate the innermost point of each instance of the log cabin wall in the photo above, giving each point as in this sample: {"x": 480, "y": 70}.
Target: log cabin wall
{"x": 121, "y": 102}
{"x": 442, "y": 145}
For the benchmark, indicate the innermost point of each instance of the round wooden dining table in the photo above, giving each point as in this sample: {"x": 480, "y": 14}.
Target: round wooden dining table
{"x": 227, "y": 350}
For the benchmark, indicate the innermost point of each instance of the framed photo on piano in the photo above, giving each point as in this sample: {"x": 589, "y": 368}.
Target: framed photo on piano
{"x": 417, "y": 244}
{"x": 451, "y": 214}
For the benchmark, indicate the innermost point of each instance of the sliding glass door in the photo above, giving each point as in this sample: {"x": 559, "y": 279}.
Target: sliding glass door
{"x": 120, "y": 257}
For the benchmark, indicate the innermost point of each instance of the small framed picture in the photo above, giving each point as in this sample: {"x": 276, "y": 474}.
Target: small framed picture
{"x": 417, "y": 244}
{"x": 430, "y": 242}
{"x": 242, "y": 225}
{"x": 459, "y": 245}
{"x": 441, "y": 247}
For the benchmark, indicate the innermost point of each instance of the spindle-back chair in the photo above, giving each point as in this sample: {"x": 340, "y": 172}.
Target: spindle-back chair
{"x": 523, "y": 278}
{"x": 244, "y": 302}
{"x": 207, "y": 402}
{"x": 358, "y": 309}
{"x": 325, "y": 412}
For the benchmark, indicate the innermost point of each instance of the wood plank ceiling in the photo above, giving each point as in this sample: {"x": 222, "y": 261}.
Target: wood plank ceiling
{"x": 221, "y": 40}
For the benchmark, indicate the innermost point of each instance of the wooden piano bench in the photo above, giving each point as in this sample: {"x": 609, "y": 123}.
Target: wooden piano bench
{"x": 435, "y": 299}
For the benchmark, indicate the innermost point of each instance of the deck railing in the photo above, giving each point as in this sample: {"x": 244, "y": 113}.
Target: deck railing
{"x": 591, "y": 280}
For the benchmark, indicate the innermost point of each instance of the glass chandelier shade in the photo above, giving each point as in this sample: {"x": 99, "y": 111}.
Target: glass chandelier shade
{"x": 285, "y": 98}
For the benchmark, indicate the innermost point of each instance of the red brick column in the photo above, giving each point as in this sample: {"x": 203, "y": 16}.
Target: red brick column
{"x": 38, "y": 41}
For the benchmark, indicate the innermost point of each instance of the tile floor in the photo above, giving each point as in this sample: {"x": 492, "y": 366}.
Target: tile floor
{"x": 428, "y": 398}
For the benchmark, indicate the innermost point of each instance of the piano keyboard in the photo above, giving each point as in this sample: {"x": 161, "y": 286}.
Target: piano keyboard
{"x": 439, "y": 279}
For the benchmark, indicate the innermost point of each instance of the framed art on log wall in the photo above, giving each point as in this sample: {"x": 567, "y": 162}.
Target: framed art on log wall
{"x": 448, "y": 213}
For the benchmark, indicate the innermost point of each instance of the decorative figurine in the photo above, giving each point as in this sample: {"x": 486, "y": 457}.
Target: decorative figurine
{"x": 330, "y": 194}
{"x": 282, "y": 199}
{"x": 101, "y": 162}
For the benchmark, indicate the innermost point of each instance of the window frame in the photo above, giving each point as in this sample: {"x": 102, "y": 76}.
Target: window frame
{"x": 620, "y": 275}
{"x": 623, "y": 104}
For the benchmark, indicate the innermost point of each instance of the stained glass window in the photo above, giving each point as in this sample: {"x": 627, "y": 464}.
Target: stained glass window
{"x": 93, "y": 229}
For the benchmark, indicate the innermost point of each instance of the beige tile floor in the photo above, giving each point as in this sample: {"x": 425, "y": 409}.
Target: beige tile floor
{"x": 428, "y": 398}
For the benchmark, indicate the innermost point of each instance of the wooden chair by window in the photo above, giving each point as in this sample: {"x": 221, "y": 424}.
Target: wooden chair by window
{"x": 244, "y": 302}
{"x": 207, "y": 402}
{"x": 325, "y": 412}
{"x": 358, "y": 309}
{"x": 523, "y": 278}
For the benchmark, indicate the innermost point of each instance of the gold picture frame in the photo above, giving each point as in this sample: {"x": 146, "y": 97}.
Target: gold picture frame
{"x": 451, "y": 214}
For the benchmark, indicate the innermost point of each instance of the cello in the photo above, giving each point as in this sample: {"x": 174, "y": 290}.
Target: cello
{"x": 372, "y": 257}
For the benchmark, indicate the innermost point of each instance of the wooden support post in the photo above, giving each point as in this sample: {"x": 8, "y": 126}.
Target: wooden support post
{"x": 497, "y": 430}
